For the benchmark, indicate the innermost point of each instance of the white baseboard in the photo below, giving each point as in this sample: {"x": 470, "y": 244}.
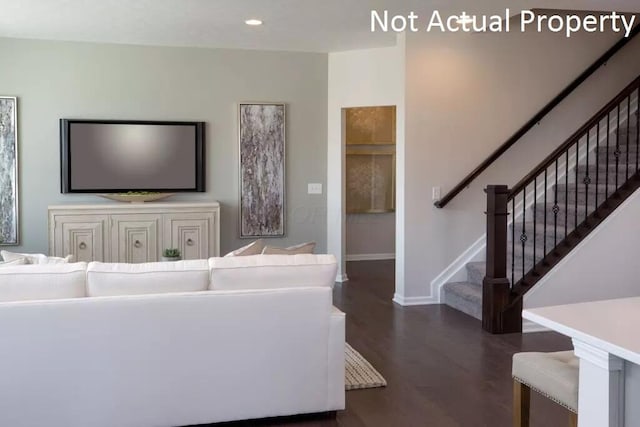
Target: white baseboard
{"x": 370, "y": 257}
{"x": 528, "y": 327}
{"x": 341, "y": 278}
{"x": 409, "y": 301}
{"x": 458, "y": 266}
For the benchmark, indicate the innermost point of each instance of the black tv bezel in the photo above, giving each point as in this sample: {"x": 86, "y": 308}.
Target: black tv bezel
{"x": 65, "y": 156}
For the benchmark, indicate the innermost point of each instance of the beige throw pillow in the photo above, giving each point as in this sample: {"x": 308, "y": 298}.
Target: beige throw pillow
{"x": 35, "y": 258}
{"x": 253, "y": 248}
{"x": 303, "y": 248}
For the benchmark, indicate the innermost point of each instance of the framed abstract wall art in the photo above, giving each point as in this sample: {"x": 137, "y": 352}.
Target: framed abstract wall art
{"x": 8, "y": 170}
{"x": 262, "y": 169}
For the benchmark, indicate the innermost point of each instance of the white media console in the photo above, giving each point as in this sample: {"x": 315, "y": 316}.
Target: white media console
{"x": 128, "y": 232}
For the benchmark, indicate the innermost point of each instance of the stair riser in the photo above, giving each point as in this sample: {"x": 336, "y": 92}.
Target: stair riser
{"x": 470, "y": 306}
{"x": 602, "y": 153}
{"x": 623, "y": 137}
{"x": 603, "y": 177}
{"x": 561, "y": 219}
{"x": 475, "y": 274}
{"x": 529, "y": 231}
{"x": 583, "y": 198}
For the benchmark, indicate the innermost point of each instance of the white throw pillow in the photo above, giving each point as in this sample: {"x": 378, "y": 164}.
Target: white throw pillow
{"x": 36, "y": 258}
{"x": 57, "y": 260}
{"x": 272, "y": 271}
{"x": 253, "y": 248}
{"x": 42, "y": 282}
{"x": 303, "y": 248}
{"x": 17, "y": 261}
{"x": 110, "y": 279}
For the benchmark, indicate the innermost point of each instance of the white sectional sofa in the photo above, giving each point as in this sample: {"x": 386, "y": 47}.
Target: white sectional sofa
{"x": 169, "y": 344}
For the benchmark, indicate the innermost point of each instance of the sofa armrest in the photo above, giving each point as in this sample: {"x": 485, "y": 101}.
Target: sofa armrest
{"x": 336, "y": 393}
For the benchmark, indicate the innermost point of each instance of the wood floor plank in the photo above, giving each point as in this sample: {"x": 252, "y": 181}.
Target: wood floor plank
{"x": 442, "y": 369}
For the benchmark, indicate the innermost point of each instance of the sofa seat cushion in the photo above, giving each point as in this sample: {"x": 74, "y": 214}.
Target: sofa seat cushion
{"x": 112, "y": 279}
{"x": 42, "y": 282}
{"x": 272, "y": 271}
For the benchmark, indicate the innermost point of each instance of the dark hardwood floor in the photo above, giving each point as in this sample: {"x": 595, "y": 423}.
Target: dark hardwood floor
{"x": 441, "y": 368}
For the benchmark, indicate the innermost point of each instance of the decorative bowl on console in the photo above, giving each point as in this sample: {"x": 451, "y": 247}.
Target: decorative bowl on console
{"x": 136, "y": 196}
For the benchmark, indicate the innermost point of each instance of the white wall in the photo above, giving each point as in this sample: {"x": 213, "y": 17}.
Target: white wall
{"x": 371, "y": 235}
{"x": 54, "y": 80}
{"x": 356, "y": 79}
{"x": 465, "y": 95}
{"x": 603, "y": 266}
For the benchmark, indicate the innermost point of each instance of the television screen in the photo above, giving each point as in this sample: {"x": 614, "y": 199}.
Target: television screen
{"x": 118, "y": 156}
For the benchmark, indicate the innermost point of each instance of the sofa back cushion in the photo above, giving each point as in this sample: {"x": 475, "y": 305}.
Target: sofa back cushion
{"x": 41, "y": 282}
{"x": 272, "y": 271}
{"x": 111, "y": 279}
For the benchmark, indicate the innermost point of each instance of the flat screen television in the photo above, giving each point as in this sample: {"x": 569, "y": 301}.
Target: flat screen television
{"x": 117, "y": 156}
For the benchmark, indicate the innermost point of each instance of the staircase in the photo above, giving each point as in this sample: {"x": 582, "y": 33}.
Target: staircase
{"x": 562, "y": 201}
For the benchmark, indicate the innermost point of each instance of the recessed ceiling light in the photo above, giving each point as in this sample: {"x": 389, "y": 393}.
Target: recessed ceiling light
{"x": 253, "y": 22}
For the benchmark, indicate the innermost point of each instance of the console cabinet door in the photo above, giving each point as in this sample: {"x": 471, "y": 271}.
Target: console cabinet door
{"x": 135, "y": 238}
{"x": 191, "y": 233}
{"x": 83, "y": 236}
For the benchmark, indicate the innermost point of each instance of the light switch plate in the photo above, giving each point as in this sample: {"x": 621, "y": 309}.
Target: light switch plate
{"x": 435, "y": 193}
{"x": 314, "y": 188}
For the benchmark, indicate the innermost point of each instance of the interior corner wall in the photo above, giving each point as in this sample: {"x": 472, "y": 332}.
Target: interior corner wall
{"x": 468, "y": 93}
{"x": 54, "y": 80}
{"x": 356, "y": 79}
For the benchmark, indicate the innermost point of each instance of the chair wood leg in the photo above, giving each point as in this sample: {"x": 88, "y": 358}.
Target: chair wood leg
{"x": 521, "y": 401}
{"x": 573, "y": 419}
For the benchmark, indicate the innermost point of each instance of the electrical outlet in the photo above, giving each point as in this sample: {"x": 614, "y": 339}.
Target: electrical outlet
{"x": 435, "y": 193}
{"x": 314, "y": 188}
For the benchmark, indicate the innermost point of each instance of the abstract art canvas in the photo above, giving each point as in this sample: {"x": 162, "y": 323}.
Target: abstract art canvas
{"x": 262, "y": 169}
{"x": 8, "y": 171}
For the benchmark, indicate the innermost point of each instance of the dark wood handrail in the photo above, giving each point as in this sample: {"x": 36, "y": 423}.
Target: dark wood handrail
{"x": 537, "y": 118}
{"x": 558, "y": 152}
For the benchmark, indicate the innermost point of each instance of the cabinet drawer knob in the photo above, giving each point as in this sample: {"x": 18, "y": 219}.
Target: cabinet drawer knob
{"x": 82, "y": 245}
{"x": 137, "y": 244}
{"x": 189, "y": 242}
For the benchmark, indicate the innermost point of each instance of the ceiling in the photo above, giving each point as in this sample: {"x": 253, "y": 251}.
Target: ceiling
{"x": 298, "y": 25}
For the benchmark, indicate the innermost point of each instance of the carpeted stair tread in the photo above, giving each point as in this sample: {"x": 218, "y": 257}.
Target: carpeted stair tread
{"x": 465, "y": 297}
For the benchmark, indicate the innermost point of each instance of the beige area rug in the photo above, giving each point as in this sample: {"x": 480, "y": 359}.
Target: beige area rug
{"x": 359, "y": 373}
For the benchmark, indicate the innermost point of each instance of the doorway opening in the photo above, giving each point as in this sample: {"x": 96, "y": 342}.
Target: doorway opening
{"x": 369, "y": 135}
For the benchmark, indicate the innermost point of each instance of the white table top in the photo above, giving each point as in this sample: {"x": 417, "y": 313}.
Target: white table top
{"x": 612, "y": 325}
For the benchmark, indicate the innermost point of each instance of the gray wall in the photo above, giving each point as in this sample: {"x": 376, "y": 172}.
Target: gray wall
{"x": 53, "y": 80}
{"x": 371, "y": 234}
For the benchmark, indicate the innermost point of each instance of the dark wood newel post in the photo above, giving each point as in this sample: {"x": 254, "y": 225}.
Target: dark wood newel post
{"x": 495, "y": 286}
